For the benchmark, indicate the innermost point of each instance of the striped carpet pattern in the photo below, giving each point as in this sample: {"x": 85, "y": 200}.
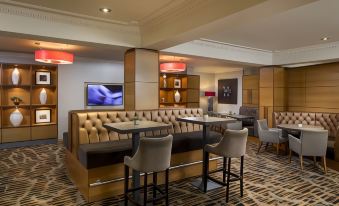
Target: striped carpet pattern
{"x": 37, "y": 176}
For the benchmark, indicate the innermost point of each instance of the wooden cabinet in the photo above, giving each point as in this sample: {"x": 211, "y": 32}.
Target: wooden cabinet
{"x": 29, "y": 93}
{"x": 188, "y": 86}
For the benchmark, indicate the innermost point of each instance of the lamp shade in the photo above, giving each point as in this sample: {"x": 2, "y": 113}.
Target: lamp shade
{"x": 172, "y": 67}
{"x": 54, "y": 57}
{"x": 209, "y": 94}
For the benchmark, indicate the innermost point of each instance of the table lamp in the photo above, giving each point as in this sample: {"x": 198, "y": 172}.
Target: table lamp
{"x": 210, "y": 96}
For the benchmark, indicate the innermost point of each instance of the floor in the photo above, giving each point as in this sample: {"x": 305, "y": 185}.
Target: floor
{"x": 37, "y": 176}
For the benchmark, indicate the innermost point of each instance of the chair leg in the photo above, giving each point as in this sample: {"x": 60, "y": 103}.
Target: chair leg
{"x": 315, "y": 160}
{"x": 301, "y": 162}
{"x": 228, "y": 179}
{"x": 278, "y": 146}
{"x": 126, "y": 185}
{"x": 224, "y": 170}
{"x": 155, "y": 181}
{"x": 290, "y": 156}
{"x": 266, "y": 146}
{"x": 241, "y": 176}
{"x": 260, "y": 144}
{"x": 324, "y": 162}
{"x": 206, "y": 166}
{"x": 166, "y": 186}
{"x": 145, "y": 189}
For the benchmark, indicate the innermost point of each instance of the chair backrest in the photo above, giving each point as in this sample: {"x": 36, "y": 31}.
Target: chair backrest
{"x": 314, "y": 143}
{"x": 233, "y": 143}
{"x": 154, "y": 153}
{"x": 262, "y": 126}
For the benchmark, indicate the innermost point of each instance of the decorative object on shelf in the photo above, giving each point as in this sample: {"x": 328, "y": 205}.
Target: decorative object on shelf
{"x": 210, "y": 96}
{"x": 172, "y": 67}
{"x": 15, "y": 76}
{"x": 165, "y": 80}
{"x": 43, "y": 78}
{"x": 54, "y": 57}
{"x": 177, "y": 96}
{"x": 177, "y": 83}
{"x": 16, "y": 118}
{"x": 43, "y": 96}
{"x": 16, "y": 100}
{"x": 42, "y": 116}
{"x": 163, "y": 99}
{"x": 227, "y": 91}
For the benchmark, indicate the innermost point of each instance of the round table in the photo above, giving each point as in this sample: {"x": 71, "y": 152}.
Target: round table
{"x": 295, "y": 129}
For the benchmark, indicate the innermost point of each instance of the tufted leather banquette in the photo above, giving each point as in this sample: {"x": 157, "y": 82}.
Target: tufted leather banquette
{"x": 329, "y": 121}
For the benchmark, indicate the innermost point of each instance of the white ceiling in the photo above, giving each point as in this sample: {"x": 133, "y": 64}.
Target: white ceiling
{"x": 298, "y": 27}
{"x": 125, "y": 11}
{"x": 14, "y": 44}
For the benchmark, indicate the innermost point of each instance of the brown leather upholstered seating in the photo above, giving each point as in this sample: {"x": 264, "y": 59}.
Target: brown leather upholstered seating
{"x": 329, "y": 121}
{"x": 94, "y": 146}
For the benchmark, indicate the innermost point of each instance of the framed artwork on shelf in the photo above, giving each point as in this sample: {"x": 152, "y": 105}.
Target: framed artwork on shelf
{"x": 177, "y": 83}
{"x": 228, "y": 91}
{"x": 43, "y": 78}
{"x": 42, "y": 116}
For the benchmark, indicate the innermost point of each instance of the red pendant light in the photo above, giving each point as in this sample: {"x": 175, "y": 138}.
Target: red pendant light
{"x": 53, "y": 57}
{"x": 172, "y": 67}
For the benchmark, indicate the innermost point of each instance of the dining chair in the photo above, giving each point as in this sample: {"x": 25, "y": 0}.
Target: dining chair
{"x": 270, "y": 135}
{"x": 153, "y": 156}
{"x": 232, "y": 145}
{"x": 311, "y": 143}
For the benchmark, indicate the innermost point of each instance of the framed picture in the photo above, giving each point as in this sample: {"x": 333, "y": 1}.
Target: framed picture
{"x": 42, "y": 116}
{"x": 177, "y": 83}
{"x": 228, "y": 91}
{"x": 43, "y": 78}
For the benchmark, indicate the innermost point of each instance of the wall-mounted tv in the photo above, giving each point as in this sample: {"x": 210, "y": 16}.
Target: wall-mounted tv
{"x": 104, "y": 94}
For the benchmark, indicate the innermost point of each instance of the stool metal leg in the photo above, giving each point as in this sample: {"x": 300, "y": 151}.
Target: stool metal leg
{"x": 155, "y": 178}
{"x": 228, "y": 179}
{"x": 224, "y": 169}
{"x": 205, "y": 174}
{"x": 166, "y": 185}
{"x": 145, "y": 189}
{"x": 241, "y": 176}
{"x": 126, "y": 185}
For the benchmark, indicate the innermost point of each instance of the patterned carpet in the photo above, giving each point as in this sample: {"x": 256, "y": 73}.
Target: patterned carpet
{"x": 37, "y": 176}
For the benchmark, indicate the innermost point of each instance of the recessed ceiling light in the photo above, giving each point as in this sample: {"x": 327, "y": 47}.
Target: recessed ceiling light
{"x": 105, "y": 10}
{"x": 325, "y": 38}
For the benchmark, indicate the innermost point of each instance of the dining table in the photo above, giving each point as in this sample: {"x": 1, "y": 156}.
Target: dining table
{"x": 135, "y": 128}
{"x": 206, "y": 122}
{"x": 296, "y": 129}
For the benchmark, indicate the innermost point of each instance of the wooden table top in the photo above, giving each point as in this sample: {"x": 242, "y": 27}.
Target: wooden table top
{"x": 130, "y": 127}
{"x": 296, "y": 127}
{"x": 204, "y": 121}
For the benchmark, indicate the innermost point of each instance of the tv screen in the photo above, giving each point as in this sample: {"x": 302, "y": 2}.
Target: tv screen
{"x": 104, "y": 94}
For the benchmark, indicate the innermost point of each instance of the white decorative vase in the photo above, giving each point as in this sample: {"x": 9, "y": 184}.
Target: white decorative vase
{"x": 15, "y": 76}
{"x": 43, "y": 96}
{"x": 16, "y": 118}
{"x": 177, "y": 96}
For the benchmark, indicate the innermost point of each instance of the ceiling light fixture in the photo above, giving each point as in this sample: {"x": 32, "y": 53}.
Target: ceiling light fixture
{"x": 105, "y": 10}
{"x": 325, "y": 38}
{"x": 172, "y": 67}
{"x": 54, "y": 57}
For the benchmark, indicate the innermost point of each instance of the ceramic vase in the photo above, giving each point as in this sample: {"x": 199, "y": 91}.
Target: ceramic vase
{"x": 43, "y": 96}
{"x": 177, "y": 96}
{"x": 15, "y": 76}
{"x": 16, "y": 118}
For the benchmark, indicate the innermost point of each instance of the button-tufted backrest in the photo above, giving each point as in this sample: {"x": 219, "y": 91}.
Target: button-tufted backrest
{"x": 87, "y": 126}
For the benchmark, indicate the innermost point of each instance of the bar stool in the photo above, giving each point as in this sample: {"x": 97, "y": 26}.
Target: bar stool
{"x": 153, "y": 156}
{"x": 232, "y": 145}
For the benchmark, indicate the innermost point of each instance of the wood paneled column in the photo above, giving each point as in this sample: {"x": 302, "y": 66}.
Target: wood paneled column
{"x": 141, "y": 79}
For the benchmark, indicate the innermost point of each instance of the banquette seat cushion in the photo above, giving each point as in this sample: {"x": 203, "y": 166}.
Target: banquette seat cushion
{"x": 107, "y": 153}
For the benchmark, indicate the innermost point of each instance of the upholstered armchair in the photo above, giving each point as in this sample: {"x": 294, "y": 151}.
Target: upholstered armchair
{"x": 269, "y": 135}
{"x": 311, "y": 143}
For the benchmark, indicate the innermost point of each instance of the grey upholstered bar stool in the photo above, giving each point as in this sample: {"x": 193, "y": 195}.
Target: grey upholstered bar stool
{"x": 232, "y": 145}
{"x": 153, "y": 155}
{"x": 311, "y": 143}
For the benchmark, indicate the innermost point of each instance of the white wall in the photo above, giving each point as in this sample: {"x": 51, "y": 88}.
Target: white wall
{"x": 71, "y": 84}
{"x": 230, "y": 107}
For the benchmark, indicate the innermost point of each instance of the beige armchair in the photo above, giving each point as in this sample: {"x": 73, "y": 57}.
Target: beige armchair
{"x": 269, "y": 135}
{"x": 311, "y": 143}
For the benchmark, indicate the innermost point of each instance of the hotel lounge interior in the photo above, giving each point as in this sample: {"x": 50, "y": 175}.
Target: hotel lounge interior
{"x": 169, "y": 102}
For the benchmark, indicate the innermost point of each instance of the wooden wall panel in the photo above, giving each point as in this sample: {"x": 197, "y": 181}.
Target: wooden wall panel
{"x": 322, "y": 97}
{"x": 251, "y": 82}
{"x": 296, "y": 97}
{"x": 266, "y": 77}
{"x": 296, "y": 78}
{"x": 266, "y": 97}
{"x": 279, "y": 77}
{"x": 279, "y": 97}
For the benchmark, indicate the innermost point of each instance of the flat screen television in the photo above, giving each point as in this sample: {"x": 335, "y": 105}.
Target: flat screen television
{"x": 104, "y": 95}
